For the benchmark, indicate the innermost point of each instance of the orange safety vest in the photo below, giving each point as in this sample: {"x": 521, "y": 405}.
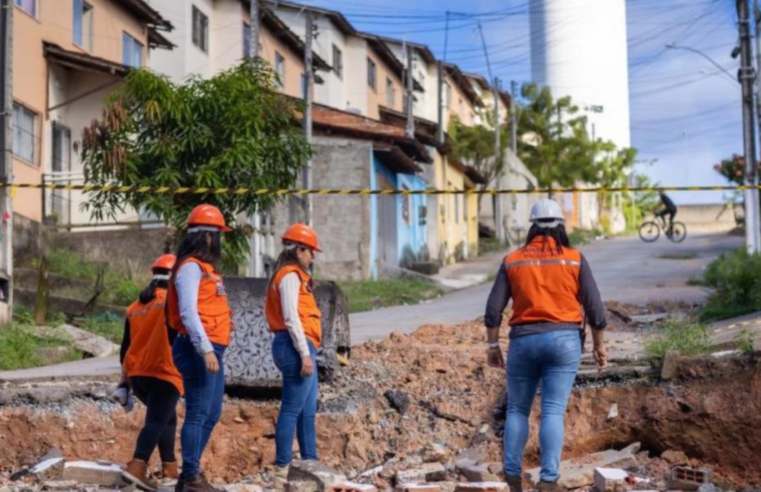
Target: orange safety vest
{"x": 544, "y": 284}
{"x": 149, "y": 352}
{"x": 213, "y": 308}
{"x": 309, "y": 313}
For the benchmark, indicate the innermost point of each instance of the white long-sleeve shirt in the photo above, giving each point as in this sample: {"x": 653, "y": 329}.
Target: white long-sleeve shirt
{"x": 289, "y": 289}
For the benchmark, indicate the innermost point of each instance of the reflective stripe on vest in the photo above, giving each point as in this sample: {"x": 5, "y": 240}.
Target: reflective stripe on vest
{"x": 149, "y": 353}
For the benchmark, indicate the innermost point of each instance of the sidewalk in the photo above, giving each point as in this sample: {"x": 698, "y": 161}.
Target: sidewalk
{"x": 472, "y": 272}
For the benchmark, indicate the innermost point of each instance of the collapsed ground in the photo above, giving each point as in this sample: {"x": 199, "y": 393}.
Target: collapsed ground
{"x": 400, "y": 396}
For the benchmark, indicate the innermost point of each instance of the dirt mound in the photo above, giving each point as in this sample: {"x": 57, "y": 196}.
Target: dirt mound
{"x": 450, "y": 394}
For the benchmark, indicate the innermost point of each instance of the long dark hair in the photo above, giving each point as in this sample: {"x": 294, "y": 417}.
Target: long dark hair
{"x": 287, "y": 257}
{"x": 557, "y": 233}
{"x": 149, "y": 293}
{"x": 194, "y": 245}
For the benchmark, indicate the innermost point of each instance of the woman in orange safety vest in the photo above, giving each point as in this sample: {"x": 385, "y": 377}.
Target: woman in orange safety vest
{"x": 549, "y": 283}
{"x": 146, "y": 358}
{"x": 294, "y": 318}
{"x": 198, "y": 310}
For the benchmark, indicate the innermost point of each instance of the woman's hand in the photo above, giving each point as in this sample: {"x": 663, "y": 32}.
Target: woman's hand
{"x": 212, "y": 364}
{"x": 601, "y": 356}
{"x": 307, "y": 368}
{"x": 494, "y": 358}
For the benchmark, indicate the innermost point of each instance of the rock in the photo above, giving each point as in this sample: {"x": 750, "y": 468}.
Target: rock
{"x": 429, "y": 472}
{"x": 242, "y": 487}
{"x": 648, "y": 319}
{"x": 414, "y": 487}
{"x": 670, "y": 367}
{"x": 481, "y": 487}
{"x": 129, "y": 488}
{"x": 340, "y": 405}
{"x": 60, "y": 485}
{"x": 300, "y": 487}
{"x": 475, "y": 472}
{"x": 610, "y": 479}
{"x": 399, "y": 400}
{"x": 709, "y": 487}
{"x": 445, "y": 486}
{"x": 313, "y": 471}
{"x": 50, "y": 469}
{"x": 613, "y": 413}
{"x": 353, "y": 487}
{"x": 87, "y": 342}
{"x": 675, "y": 458}
{"x": 435, "y": 453}
{"x": 92, "y": 473}
{"x": 579, "y": 472}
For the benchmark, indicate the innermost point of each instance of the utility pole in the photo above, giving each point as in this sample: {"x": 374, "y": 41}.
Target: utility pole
{"x": 308, "y": 75}
{"x": 440, "y": 73}
{"x": 6, "y": 160}
{"x": 255, "y": 265}
{"x": 499, "y": 221}
{"x": 513, "y": 129}
{"x": 747, "y": 76}
{"x": 410, "y": 95}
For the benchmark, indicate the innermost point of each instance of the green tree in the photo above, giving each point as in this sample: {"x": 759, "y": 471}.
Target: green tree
{"x": 232, "y": 130}
{"x": 553, "y": 141}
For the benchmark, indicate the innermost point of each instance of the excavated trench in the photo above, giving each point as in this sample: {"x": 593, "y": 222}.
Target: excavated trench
{"x": 711, "y": 413}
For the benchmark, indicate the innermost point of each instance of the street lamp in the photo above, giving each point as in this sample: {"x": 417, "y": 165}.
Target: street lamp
{"x": 674, "y": 46}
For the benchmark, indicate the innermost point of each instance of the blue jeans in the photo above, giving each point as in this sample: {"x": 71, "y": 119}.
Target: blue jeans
{"x": 298, "y": 405}
{"x": 551, "y": 358}
{"x": 203, "y": 401}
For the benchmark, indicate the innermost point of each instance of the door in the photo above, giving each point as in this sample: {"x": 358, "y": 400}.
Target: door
{"x": 61, "y": 163}
{"x": 387, "y": 248}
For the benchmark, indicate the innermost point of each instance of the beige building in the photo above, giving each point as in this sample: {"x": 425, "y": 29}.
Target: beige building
{"x": 485, "y": 91}
{"x": 68, "y": 56}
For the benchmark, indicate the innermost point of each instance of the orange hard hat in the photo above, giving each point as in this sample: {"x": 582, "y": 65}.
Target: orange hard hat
{"x": 165, "y": 262}
{"x": 304, "y": 235}
{"x": 208, "y": 215}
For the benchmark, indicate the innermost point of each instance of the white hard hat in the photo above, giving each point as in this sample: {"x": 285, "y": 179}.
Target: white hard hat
{"x": 547, "y": 214}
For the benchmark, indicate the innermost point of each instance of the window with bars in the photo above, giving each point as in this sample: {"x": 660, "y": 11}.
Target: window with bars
{"x": 28, "y": 6}
{"x": 132, "y": 51}
{"x": 25, "y": 133}
{"x": 200, "y": 30}
{"x": 246, "y": 40}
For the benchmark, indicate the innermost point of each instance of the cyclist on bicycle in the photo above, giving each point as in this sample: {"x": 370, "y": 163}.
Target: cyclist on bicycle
{"x": 666, "y": 207}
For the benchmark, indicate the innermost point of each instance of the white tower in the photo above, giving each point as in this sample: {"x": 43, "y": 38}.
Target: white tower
{"x": 578, "y": 49}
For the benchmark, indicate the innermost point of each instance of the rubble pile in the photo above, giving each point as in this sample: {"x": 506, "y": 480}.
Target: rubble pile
{"x": 420, "y": 408}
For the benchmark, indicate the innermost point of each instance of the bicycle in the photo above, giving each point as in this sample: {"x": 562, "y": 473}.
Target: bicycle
{"x": 650, "y": 230}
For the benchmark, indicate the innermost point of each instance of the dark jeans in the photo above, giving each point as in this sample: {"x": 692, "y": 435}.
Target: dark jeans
{"x": 160, "y": 398}
{"x": 298, "y": 405}
{"x": 203, "y": 401}
{"x": 670, "y": 213}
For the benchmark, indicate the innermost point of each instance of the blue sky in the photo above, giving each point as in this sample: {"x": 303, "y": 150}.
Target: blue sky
{"x": 684, "y": 111}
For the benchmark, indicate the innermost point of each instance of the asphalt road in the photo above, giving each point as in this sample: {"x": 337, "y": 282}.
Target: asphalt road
{"x": 626, "y": 269}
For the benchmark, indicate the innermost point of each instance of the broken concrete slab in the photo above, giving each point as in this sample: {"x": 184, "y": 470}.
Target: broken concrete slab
{"x": 87, "y": 342}
{"x": 60, "y": 485}
{"x": 50, "y": 469}
{"x": 649, "y": 319}
{"x": 416, "y": 487}
{"x": 436, "y": 453}
{"x": 475, "y": 472}
{"x": 579, "y": 472}
{"x": 481, "y": 487}
{"x": 298, "y": 487}
{"x": 313, "y": 471}
{"x": 353, "y": 487}
{"x": 610, "y": 479}
{"x": 243, "y": 487}
{"x": 94, "y": 473}
{"x": 429, "y": 472}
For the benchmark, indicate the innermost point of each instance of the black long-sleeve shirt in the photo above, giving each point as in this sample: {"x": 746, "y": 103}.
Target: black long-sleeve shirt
{"x": 589, "y": 297}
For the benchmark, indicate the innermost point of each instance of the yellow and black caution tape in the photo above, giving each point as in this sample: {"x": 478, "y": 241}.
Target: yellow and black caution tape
{"x": 175, "y": 190}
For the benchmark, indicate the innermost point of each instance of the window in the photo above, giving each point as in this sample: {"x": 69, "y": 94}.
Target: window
{"x": 390, "y": 93}
{"x": 200, "y": 30}
{"x": 338, "y": 62}
{"x": 304, "y": 86}
{"x": 28, "y": 6}
{"x": 132, "y": 51}
{"x": 82, "y": 30}
{"x": 280, "y": 69}
{"x": 246, "y": 40}
{"x": 371, "y": 69}
{"x": 24, "y": 133}
{"x": 447, "y": 94}
{"x": 459, "y": 109}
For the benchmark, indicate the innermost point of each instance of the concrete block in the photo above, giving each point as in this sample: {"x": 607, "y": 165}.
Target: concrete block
{"x": 50, "y": 469}
{"x": 92, "y": 473}
{"x": 685, "y": 478}
{"x": 313, "y": 471}
{"x": 579, "y": 472}
{"x": 610, "y": 479}
{"x": 429, "y": 472}
{"x": 416, "y": 487}
{"x": 481, "y": 487}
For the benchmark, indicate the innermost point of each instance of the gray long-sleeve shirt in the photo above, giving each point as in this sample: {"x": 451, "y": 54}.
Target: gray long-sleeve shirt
{"x": 589, "y": 297}
{"x": 188, "y": 281}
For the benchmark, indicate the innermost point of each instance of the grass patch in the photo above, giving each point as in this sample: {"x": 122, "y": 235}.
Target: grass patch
{"x": 580, "y": 237}
{"x": 490, "y": 245}
{"x": 677, "y": 256}
{"x": 684, "y": 337}
{"x": 22, "y": 348}
{"x": 695, "y": 282}
{"x": 736, "y": 280}
{"x": 107, "y": 325}
{"x": 373, "y": 294}
{"x": 745, "y": 341}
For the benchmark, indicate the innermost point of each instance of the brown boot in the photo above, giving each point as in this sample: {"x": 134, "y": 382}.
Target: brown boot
{"x": 137, "y": 471}
{"x": 195, "y": 483}
{"x": 170, "y": 471}
{"x": 515, "y": 484}
{"x": 550, "y": 487}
